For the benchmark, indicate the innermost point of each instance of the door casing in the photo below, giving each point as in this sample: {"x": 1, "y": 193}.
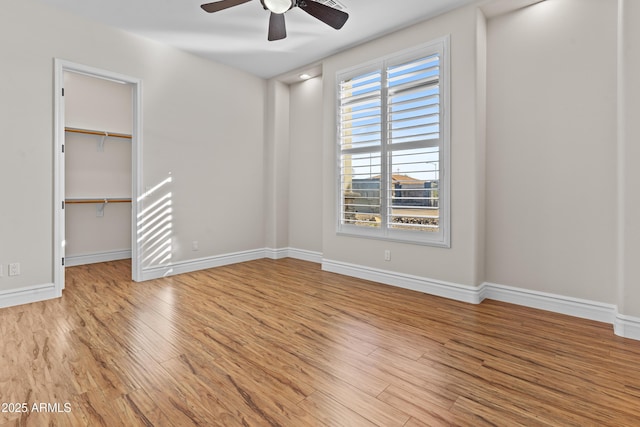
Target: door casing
{"x": 60, "y": 67}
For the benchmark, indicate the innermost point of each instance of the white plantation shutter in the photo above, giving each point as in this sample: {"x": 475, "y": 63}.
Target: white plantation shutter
{"x": 361, "y": 137}
{"x": 413, "y": 108}
{"x": 393, "y": 142}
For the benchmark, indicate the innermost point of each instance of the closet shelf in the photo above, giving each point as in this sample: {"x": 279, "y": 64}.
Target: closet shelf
{"x": 96, "y": 200}
{"x": 98, "y": 132}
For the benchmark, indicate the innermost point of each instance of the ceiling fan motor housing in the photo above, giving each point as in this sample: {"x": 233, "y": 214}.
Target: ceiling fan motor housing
{"x": 278, "y": 6}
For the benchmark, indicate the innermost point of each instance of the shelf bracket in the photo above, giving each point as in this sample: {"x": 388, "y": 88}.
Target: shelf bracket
{"x": 101, "y": 142}
{"x": 100, "y": 208}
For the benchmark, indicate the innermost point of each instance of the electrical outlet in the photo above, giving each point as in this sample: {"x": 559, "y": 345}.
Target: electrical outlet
{"x": 194, "y": 245}
{"x": 14, "y": 269}
{"x": 1, "y": 270}
{"x": 387, "y": 255}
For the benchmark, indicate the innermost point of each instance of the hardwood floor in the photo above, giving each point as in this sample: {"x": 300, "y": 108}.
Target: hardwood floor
{"x": 270, "y": 343}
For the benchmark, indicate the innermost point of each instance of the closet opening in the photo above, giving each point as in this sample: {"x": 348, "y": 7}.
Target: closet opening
{"x": 97, "y": 167}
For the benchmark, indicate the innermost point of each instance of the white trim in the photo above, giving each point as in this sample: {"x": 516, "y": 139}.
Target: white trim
{"x": 442, "y": 238}
{"x": 74, "y": 260}
{"x": 58, "y": 176}
{"x": 137, "y": 188}
{"x": 44, "y": 292}
{"x": 576, "y": 307}
{"x": 28, "y": 295}
{"x": 624, "y": 326}
{"x": 627, "y": 326}
{"x": 301, "y": 254}
{"x": 305, "y": 255}
{"x": 60, "y": 67}
{"x": 464, "y": 293}
{"x": 276, "y": 253}
{"x": 182, "y": 267}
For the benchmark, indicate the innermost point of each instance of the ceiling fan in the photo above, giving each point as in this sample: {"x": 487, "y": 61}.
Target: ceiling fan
{"x": 277, "y": 28}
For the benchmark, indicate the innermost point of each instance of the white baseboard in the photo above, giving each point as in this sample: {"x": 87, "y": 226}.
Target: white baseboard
{"x": 627, "y": 326}
{"x": 182, "y": 267}
{"x": 439, "y": 288}
{"x": 227, "y": 259}
{"x": 301, "y": 254}
{"x": 305, "y": 255}
{"x": 576, "y": 307}
{"x": 624, "y": 326}
{"x": 74, "y": 260}
{"x": 276, "y": 253}
{"x": 28, "y": 295}
{"x": 43, "y": 292}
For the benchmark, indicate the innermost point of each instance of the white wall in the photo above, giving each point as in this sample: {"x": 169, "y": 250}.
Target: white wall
{"x": 276, "y": 182}
{"x": 543, "y": 210}
{"x": 203, "y": 125}
{"x": 629, "y": 172}
{"x": 98, "y": 104}
{"x": 463, "y": 262}
{"x": 551, "y": 151}
{"x": 305, "y": 182}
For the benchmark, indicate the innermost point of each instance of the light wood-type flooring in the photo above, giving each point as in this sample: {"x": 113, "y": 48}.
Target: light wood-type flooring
{"x": 269, "y": 343}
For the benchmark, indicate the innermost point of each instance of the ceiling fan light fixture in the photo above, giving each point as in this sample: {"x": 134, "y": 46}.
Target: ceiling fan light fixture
{"x": 278, "y": 6}
{"x": 277, "y": 28}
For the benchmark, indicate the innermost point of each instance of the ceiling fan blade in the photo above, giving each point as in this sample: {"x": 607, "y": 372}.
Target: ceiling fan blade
{"x": 221, "y": 5}
{"x": 277, "y": 27}
{"x": 330, "y": 16}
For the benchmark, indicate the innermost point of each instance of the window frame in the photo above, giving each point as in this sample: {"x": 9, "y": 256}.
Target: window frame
{"x": 441, "y": 238}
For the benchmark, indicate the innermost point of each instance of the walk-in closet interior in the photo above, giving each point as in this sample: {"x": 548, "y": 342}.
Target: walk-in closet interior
{"x": 97, "y": 174}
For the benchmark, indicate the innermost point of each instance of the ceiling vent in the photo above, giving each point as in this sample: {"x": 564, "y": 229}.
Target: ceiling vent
{"x": 332, "y": 3}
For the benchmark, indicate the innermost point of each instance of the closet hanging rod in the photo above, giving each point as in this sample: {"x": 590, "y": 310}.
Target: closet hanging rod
{"x": 103, "y": 201}
{"x": 98, "y": 132}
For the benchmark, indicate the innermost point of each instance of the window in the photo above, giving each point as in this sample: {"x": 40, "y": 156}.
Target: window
{"x": 393, "y": 147}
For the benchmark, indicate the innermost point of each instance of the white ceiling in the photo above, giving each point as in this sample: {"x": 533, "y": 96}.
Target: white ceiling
{"x": 238, "y": 36}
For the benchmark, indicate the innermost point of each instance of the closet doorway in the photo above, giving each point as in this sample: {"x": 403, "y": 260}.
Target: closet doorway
{"x": 97, "y": 167}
